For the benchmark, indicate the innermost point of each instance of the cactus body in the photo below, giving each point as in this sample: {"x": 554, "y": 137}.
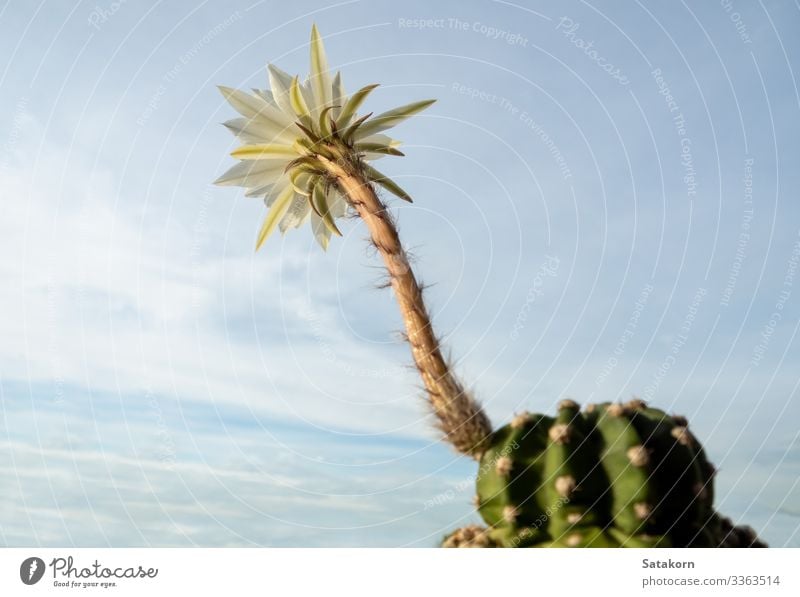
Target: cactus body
{"x": 611, "y": 476}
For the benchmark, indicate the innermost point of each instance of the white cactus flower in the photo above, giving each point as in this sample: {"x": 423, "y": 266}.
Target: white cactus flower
{"x": 290, "y": 131}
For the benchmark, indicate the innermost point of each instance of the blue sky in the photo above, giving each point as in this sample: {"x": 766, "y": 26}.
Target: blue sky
{"x": 605, "y": 203}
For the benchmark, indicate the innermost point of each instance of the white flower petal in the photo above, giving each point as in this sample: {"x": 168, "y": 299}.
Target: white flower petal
{"x": 254, "y": 107}
{"x": 252, "y": 174}
{"x": 273, "y": 191}
{"x": 319, "y": 77}
{"x": 338, "y": 98}
{"x": 280, "y": 83}
{"x": 266, "y": 95}
{"x": 270, "y": 191}
{"x": 256, "y": 130}
{"x": 337, "y": 203}
{"x": 298, "y": 213}
{"x": 260, "y": 191}
{"x": 308, "y": 94}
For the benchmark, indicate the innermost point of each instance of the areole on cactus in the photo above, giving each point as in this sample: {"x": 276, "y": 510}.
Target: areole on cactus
{"x": 611, "y": 476}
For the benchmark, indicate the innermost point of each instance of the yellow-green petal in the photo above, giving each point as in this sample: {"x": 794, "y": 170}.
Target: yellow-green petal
{"x": 300, "y": 180}
{"x": 349, "y": 109}
{"x": 320, "y": 204}
{"x": 390, "y": 118}
{"x": 321, "y": 232}
{"x": 274, "y": 215}
{"x": 387, "y": 183}
{"x": 264, "y": 151}
{"x": 297, "y": 100}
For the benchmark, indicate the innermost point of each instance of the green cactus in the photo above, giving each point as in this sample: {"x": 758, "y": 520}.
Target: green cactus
{"x": 613, "y": 475}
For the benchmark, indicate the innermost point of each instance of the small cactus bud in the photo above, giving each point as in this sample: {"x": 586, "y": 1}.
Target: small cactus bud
{"x": 568, "y": 403}
{"x": 559, "y": 433}
{"x": 591, "y": 407}
{"x": 615, "y": 409}
{"x": 681, "y": 434}
{"x": 565, "y": 485}
{"x": 503, "y": 466}
{"x": 520, "y": 420}
{"x": 510, "y": 514}
{"x": 469, "y": 536}
{"x": 638, "y": 456}
{"x": 574, "y": 540}
{"x": 574, "y": 517}
{"x": 636, "y": 404}
{"x": 642, "y": 510}
{"x": 699, "y": 490}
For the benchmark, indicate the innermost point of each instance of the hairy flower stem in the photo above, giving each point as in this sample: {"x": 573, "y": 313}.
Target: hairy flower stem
{"x": 461, "y": 418}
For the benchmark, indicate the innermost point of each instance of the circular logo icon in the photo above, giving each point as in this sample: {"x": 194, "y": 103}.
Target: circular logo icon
{"x": 31, "y": 570}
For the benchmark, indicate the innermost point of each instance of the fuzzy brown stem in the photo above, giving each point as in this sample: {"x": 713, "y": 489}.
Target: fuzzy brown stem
{"x": 461, "y": 418}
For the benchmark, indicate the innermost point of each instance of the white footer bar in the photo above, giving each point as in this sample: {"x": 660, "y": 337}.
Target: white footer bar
{"x": 400, "y": 572}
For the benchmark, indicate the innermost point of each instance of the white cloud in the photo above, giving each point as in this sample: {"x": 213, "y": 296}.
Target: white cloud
{"x": 101, "y": 297}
